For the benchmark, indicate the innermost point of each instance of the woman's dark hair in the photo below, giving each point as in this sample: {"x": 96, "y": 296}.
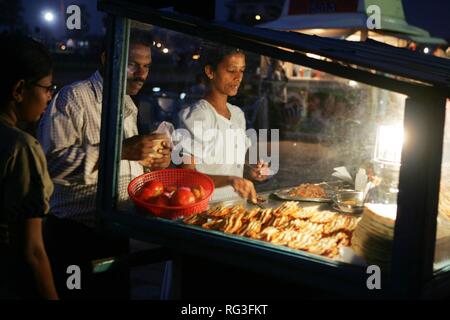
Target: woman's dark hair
{"x": 213, "y": 54}
{"x": 22, "y": 58}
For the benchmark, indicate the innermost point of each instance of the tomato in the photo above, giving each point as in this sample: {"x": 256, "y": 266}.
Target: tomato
{"x": 161, "y": 200}
{"x": 182, "y": 197}
{"x": 199, "y": 192}
{"x": 170, "y": 189}
{"x": 154, "y": 187}
{"x": 146, "y": 194}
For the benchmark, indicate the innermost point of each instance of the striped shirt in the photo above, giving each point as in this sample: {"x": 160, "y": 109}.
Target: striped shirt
{"x": 69, "y": 132}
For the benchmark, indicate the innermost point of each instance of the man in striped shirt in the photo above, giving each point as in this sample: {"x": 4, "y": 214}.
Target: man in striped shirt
{"x": 70, "y": 136}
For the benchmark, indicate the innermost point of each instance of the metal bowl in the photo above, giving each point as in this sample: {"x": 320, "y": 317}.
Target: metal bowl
{"x": 349, "y": 201}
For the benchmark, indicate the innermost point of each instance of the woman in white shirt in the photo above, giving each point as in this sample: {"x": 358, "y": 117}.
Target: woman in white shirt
{"x": 215, "y": 142}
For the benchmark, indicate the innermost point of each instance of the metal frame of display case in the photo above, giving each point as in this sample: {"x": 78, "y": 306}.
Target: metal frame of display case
{"x": 424, "y": 79}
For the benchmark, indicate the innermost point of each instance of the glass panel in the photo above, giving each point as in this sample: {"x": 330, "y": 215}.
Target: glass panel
{"x": 137, "y": 152}
{"x": 442, "y": 252}
{"x": 320, "y": 134}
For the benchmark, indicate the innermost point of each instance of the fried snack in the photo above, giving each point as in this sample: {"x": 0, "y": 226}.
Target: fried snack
{"x": 323, "y": 247}
{"x": 303, "y": 241}
{"x": 269, "y": 233}
{"x": 343, "y": 238}
{"x": 218, "y": 212}
{"x": 323, "y": 217}
{"x": 311, "y": 230}
{"x": 196, "y": 220}
{"x": 252, "y": 214}
{"x": 302, "y": 214}
{"x": 286, "y": 209}
{"x": 280, "y": 222}
{"x": 283, "y": 237}
{"x": 310, "y": 227}
{"x": 253, "y": 230}
{"x": 266, "y": 215}
{"x": 308, "y": 191}
{"x": 233, "y": 222}
{"x": 214, "y": 224}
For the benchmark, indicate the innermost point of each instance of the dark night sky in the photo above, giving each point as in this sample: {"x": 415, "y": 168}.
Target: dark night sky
{"x": 432, "y": 15}
{"x": 33, "y": 14}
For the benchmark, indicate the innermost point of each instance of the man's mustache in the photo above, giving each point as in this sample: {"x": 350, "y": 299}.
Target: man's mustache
{"x": 136, "y": 80}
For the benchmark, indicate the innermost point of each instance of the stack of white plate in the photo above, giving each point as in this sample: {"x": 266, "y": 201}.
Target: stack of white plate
{"x": 444, "y": 198}
{"x": 373, "y": 237}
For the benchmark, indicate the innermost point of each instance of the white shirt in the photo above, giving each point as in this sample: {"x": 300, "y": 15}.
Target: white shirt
{"x": 69, "y": 133}
{"x": 218, "y": 144}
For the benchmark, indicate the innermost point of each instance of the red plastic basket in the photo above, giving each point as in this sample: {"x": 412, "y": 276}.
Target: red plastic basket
{"x": 179, "y": 178}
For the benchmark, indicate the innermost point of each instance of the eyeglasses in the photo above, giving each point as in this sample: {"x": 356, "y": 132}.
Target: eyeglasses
{"x": 50, "y": 89}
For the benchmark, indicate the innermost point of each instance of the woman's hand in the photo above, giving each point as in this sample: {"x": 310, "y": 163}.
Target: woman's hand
{"x": 260, "y": 172}
{"x": 244, "y": 188}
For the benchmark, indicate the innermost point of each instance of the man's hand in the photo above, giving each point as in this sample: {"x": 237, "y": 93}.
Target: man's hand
{"x": 159, "y": 163}
{"x": 260, "y": 172}
{"x": 139, "y": 147}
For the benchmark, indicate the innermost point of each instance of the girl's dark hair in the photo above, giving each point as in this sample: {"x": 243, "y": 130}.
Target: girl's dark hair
{"x": 213, "y": 54}
{"x": 22, "y": 58}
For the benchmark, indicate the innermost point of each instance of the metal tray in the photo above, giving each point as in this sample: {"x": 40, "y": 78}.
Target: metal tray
{"x": 330, "y": 187}
{"x": 269, "y": 201}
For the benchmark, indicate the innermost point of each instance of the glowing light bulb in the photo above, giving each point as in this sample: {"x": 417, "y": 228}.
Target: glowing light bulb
{"x": 49, "y": 16}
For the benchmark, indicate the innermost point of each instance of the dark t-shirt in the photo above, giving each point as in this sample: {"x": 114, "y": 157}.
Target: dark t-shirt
{"x": 25, "y": 189}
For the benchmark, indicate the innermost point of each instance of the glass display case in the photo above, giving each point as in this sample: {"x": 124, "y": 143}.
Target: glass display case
{"x": 442, "y": 253}
{"x": 368, "y": 123}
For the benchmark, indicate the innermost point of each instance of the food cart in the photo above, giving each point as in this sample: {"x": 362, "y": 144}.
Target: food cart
{"x": 213, "y": 263}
